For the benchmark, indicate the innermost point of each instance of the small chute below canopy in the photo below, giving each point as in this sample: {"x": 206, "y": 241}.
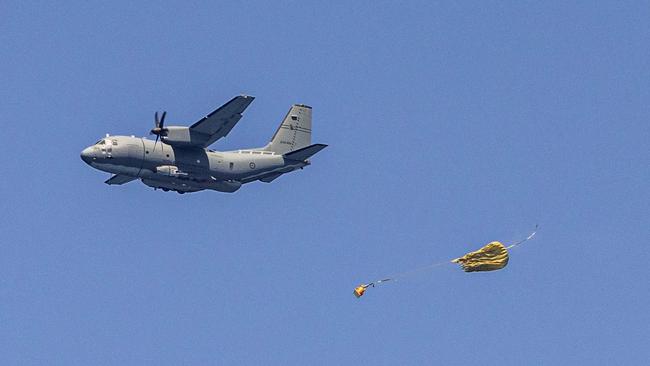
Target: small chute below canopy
{"x": 361, "y": 289}
{"x": 491, "y": 257}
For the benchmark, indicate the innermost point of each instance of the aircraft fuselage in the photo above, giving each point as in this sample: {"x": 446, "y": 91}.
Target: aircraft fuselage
{"x": 185, "y": 169}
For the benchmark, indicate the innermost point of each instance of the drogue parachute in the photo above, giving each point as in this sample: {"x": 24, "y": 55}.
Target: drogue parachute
{"x": 492, "y": 257}
{"x": 361, "y": 289}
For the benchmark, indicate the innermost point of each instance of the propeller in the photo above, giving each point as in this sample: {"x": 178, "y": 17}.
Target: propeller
{"x": 159, "y": 129}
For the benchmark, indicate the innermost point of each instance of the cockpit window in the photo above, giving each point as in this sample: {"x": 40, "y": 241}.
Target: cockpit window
{"x": 100, "y": 142}
{"x": 114, "y": 142}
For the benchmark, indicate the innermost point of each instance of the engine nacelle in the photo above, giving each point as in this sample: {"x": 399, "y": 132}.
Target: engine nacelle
{"x": 177, "y": 136}
{"x": 170, "y": 171}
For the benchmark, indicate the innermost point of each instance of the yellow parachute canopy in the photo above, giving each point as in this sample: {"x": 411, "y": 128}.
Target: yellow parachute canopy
{"x": 491, "y": 257}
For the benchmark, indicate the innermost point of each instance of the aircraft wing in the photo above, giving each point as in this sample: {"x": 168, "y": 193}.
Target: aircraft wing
{"x": 219, "y": 123}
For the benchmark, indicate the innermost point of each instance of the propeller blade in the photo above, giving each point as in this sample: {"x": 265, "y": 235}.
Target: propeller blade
{"x": 155, "y": 142}
{"x": 162, "y": 119}
{"x": 158, "y": 125}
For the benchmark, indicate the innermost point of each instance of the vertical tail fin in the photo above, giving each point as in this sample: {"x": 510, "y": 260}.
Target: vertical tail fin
{"x": 294, "y": 132}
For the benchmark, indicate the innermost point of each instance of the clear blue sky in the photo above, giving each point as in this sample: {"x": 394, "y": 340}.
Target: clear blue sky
{"x": 449, "y": 124}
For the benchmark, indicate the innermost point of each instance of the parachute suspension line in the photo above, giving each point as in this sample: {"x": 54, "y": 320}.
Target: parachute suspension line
{"x": 525, "y": 240}
{"x": 361, "y": 289}
{"x": 400, "y": 275}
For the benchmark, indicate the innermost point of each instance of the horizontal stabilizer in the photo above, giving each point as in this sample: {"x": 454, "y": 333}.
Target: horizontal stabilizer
{"x": 119, "y": 179}
{"x": 304, "y": 153}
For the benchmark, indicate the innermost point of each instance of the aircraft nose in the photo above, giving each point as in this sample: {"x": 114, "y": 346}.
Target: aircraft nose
{"x": 87, "y": 155}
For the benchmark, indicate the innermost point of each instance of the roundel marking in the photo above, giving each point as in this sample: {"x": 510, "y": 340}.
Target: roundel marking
{"x": 252, "y": 165}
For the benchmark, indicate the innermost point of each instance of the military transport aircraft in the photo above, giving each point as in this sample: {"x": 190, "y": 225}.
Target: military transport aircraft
{"x": 182, "y": 162}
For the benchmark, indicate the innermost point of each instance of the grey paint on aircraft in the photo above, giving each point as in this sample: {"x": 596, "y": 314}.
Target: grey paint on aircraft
{"x": 180, "y": 161}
